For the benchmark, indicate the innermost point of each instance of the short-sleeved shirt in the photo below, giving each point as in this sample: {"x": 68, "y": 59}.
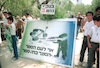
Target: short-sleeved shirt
{"x": 87, "y": 27}
{"x": 95, "y": 34}
{"x": 13, "y": 29}
{"x": 19, "y": 24}
{"x": 79, "y": 21}
{"x": 5, "y": 21}
{"x": 29, "y": 18}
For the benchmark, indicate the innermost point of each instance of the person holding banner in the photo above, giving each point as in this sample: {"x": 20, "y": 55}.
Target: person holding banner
{"x": 13, "y": 34}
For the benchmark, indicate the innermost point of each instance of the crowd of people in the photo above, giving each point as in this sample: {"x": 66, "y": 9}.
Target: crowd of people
{"x": 89, "y": 24}
{"x": 16, "y": 25}
{"x": 91, "y": 38}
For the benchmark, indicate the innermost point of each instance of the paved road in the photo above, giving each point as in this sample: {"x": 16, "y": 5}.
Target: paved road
{"x": 5, "y": 58}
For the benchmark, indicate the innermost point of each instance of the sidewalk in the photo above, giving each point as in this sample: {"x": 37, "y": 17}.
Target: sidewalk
{"x": 6, "y": 62}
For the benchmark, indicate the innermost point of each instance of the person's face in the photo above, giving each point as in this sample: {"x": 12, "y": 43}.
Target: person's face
{"x": 9, "y": 21}
{"x": 79, "y": 14}
{"x": 9, "y": 15}
{"x": 95, "y": 22}
{"x": 89, "y": 16}
{"x": 17, "y": 18}
{"x": 97, "y": 12}
{"x": 5, "y": 14}
{"x": 98, "y": 23}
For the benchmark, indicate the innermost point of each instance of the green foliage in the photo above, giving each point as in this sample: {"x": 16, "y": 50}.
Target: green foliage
{"x": 58, "y": 14}
{"x": 63, "y": 9}
{"x": 68, "y": 5}
{"x": 17, "y": 7}
{"x": 36, "y": 12}
{"x": 80, "y": 8}
{"x": 21, "y": 7}
{"x": 95, "y": 4}
{"x": 60, "y": 10}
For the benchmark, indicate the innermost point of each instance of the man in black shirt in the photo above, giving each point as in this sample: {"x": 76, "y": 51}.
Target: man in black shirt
{"x": 79, "y": 22}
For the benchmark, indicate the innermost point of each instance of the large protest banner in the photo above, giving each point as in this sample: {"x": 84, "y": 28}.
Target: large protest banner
{"x": 51, "y": 41}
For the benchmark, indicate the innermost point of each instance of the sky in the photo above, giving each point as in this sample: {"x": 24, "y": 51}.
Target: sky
{"x": 86, "y": 2}
{"x": 89, "y": 2}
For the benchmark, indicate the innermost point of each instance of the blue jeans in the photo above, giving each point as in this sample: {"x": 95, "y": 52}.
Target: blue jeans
{"x": 15, "y": 46}
{"x": 78, "y": 27}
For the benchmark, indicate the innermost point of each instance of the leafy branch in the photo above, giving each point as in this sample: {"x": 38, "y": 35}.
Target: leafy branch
{"x": 3, "y": 5}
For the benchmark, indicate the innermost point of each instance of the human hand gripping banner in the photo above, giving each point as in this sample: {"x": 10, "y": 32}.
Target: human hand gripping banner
{"x": 51, "y": 41}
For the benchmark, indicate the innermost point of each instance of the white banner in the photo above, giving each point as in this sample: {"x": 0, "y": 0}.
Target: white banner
{"x": 51, "y": 42}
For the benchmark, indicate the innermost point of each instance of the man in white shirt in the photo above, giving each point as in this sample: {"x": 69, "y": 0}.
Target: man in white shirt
{"x": 97, "y": 11}
{"x": 94, "y": 42}
{"x": 10, "y": 15}
{"x": 5, "y": 17}
{"x": 87, "y": 27}
{"x": 5, "y": 23}
{"x": 13, "y": 34}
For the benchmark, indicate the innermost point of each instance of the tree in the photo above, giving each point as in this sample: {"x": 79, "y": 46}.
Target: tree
{"x": 21, "y": 7}
{"x": 80, "y": 8}
{"x": 95, "y": 4}
{"x": 2, "y": 4}
{"x": 62, "y": 6}
{"x": 17, "y": 6}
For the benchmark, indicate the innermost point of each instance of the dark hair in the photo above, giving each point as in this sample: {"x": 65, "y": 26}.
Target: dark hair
{"x": 27, "y": 14}
{"x": 4, "y": 12}
{"x": 96, "y": 17}
{"x": 72, "y": 16}
{"x": 10, "y": 18}
{"x": 10, "y": 13}
{"x": 89, "y": 12}
{"x": 98, "y": 8}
